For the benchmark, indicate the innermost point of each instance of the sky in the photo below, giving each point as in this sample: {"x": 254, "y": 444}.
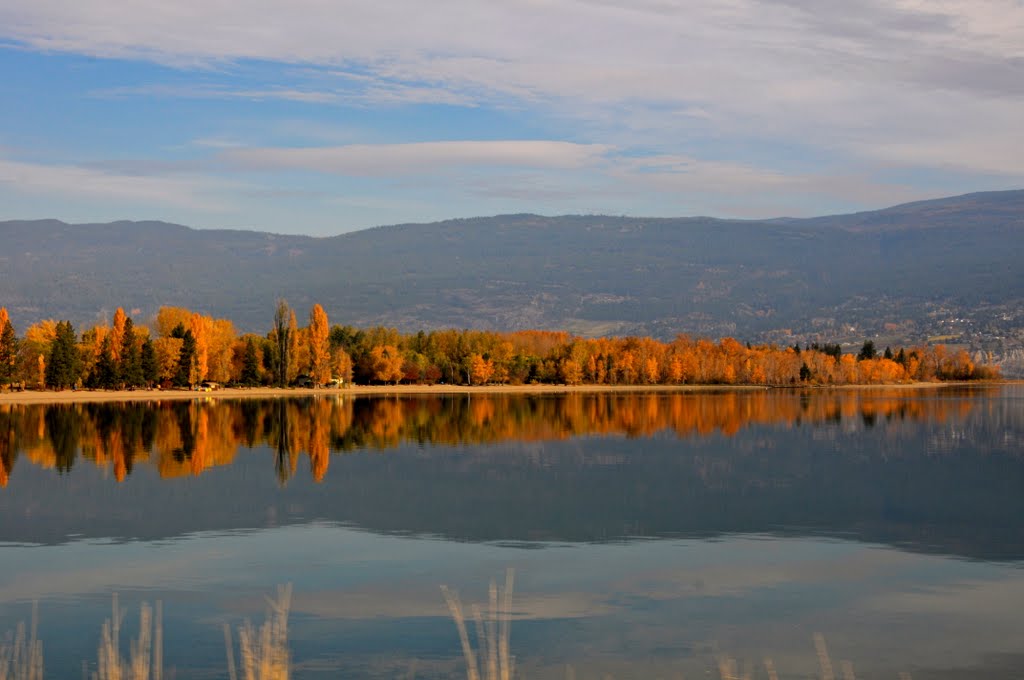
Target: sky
{"x": 326, "y": 116}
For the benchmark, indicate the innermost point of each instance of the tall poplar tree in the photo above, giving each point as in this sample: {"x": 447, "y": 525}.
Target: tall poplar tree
{"x": 200, "y": 327}
{"x": 282, "y": 341}
{"x": 117, "y": 333}
{"x": 293, "y": 347}
{"x": 319, "y": 346}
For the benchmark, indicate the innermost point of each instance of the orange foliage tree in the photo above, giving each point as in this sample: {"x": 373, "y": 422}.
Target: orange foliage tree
{"x": 386, "y": 362}
{"x": 319, "y": 346}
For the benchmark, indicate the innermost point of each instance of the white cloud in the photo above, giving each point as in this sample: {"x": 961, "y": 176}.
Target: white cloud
{"x": 210, "y": 92}
{"x": 596, "y": 49}
{"x": 418, "y": 158}
{"x": 92, "y": 183}
{"x": 865, "y": 84}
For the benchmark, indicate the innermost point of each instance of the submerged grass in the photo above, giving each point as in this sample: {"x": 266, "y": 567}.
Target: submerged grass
{"x": 727, "y": 666}
{"x": 145, "y": 657}
{"x": 491, "y": 659}
{"x": 263, "y": 652}
{"x": 21, "y": 654}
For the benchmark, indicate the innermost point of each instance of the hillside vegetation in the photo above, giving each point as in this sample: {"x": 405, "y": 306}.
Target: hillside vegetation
{"x": 591, "y": 275}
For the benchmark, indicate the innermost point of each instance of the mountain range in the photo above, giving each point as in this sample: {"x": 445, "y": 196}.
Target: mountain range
{"x": 907, "y": 270}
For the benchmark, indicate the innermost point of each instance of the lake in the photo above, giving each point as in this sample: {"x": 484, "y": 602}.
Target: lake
{"x": 782, "y": 533}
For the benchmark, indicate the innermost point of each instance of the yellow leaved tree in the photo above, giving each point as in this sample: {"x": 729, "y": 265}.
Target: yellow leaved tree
{"x": 319, "y": 346}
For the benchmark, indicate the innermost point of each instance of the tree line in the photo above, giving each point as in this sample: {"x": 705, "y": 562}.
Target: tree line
{"x": 182, "y": 348}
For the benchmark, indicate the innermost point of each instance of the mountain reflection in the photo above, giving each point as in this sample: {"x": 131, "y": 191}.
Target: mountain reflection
{"x": 185, "y": 438}
{"x": 932, "y": 470}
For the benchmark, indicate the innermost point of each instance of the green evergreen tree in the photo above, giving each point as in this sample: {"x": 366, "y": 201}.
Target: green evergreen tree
{"x": 183, "y": 376}
{"x": 867, "y": 351}
{"x": 250, "y": 365}
{"x": 8, "y": 353}
{"x": 104, "y": 372}
{"x": 130, "y": 370}
{"x": 805, "y": 373}
{"x": 888, "y": 353}
{"x": 148, "y": 365}
{"x": 63, "y": 365}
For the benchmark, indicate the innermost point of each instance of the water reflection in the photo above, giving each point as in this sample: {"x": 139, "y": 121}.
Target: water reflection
{"x": 890, "y": 521}
{"x": 182, "y": 438}
{"x": 936, "y": 472}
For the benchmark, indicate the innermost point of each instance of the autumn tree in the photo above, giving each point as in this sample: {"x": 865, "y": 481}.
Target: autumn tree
{"x": 386, "y": 363}
{"x": 169, "y": 318}
{"x": 674, "y": 370}
{"x": 319, "y": 346}
{"x": 200, "y": 327}
{"x": 570, "y": 371}
{"x": 625, "y": 366}
{"x": 341, "y": 365}
{"x": 117, "y": 334}
{"x": 480, "y": 370}
{"x": 34, "y": 343}
{"x": 168, "y": 352}
{"x": 220, "y": 345}
{"x": 90, "y": 345}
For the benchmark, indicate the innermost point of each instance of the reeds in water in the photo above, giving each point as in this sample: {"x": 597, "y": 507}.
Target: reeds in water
{"x": 263, "y": 653}
{"x": 491, "y": 660}
{"x": 21, "y": 654}
{"x": 145, "y": 655}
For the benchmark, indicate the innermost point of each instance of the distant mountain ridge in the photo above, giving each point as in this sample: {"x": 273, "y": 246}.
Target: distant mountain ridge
{"x": 592, "y": 275}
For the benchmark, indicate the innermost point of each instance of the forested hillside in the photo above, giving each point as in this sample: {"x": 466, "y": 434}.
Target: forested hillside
{"x": 908, "y": 267}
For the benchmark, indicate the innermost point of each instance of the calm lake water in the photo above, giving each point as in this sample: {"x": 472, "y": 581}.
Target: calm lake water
{"x": 651, "y": 535}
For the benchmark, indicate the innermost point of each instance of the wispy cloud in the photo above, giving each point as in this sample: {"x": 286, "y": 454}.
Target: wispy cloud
{"x": 218, "y": 92}
{"x": 827, "y": 74}
{"x": 98, "y": 184}
{"x": 415, "y": 158}
{"x": 736, "y": 106}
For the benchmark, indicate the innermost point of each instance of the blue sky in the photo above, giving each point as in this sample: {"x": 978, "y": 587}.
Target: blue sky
{"x": 324, "y": 117}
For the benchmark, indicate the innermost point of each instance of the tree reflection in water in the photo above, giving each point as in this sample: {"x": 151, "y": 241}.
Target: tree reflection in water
{"x": 186, "y": 438}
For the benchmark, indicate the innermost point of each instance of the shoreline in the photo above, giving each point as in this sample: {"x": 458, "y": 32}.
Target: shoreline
{"x": 96, "y": 396}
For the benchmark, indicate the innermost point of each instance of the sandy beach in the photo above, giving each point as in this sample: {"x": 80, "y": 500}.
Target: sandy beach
{"x": 82, "y": 396}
